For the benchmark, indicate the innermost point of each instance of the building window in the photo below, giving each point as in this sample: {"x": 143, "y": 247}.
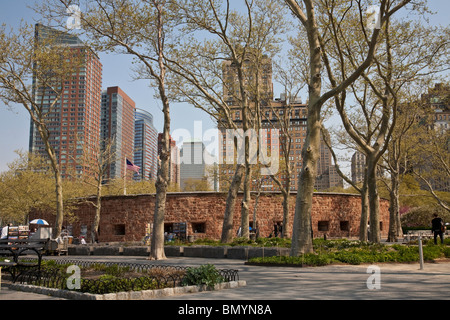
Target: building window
{"x": 323, "y": 225}
{"x": 168, "y": 227}
{"x": 199, "y": 227}
{"x": 344, "y": 225}
{"x": 119, "y": 230}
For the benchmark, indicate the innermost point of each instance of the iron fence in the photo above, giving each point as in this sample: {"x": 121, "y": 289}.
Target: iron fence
{"x": 168, "y": 276}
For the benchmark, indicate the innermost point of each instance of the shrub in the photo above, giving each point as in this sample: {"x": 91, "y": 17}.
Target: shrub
{"x": 356, "y": 252}
{"x": 273, "y": 242}
{"x": 406, "y": 253}
{"x": 203, "y": 275}
{"x": 446, "y": 252}
{"x": 309, "y": 259}
{"x": 115, "y": 270}
{"x": 348, "y": 257}
{"x": 431, "y": 252}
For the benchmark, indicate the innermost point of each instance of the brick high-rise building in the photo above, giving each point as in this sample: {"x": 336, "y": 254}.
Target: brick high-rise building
{"x": 117, "y": 128}
{"x": 271, "y": 111}
{"x": 74, "y": 120}
{"x": 438, "y": 100}
{"x": 231, "y": 89}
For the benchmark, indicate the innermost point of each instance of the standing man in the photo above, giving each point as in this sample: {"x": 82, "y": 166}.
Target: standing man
{"x": 438, "y": 228}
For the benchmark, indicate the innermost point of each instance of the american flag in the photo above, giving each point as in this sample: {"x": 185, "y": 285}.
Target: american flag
{"x": 132, "y": 167}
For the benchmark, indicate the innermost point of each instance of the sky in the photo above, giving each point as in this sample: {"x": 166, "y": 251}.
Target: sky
{"x": 15, "y": 123}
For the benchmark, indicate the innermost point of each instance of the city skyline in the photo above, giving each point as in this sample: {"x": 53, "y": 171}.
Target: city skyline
{"x": 14, "y": 125}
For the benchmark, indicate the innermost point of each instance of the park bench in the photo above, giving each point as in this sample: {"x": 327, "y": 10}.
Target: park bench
{"x": 15, "y": 248}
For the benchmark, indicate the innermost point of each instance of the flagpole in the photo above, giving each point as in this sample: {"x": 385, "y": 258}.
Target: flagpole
{"x": 125, "y": 177}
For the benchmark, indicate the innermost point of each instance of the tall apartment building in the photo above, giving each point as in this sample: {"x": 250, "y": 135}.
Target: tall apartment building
{"x": 231, "y": 89}
{"x": 117, "y": 128}
{"x": 145, "y": 146}
{"x": 74, "y": 121}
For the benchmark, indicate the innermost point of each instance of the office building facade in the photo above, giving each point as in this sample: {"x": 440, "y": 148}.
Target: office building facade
{"x": 194, "y": 165}
{"x": 117, "y": 128}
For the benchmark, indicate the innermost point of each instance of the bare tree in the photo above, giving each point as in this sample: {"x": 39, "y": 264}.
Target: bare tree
{"x": 97, "y": 163}
{"x": 430, "y": 160}
{"x": 404, "y": 61}
{"x": 239, "y": 42}
{"x": 316, "y": 22}
{"x": 140, "y": 29}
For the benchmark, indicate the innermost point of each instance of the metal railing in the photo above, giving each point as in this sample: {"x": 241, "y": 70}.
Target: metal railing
{"x": 153, "y": 276}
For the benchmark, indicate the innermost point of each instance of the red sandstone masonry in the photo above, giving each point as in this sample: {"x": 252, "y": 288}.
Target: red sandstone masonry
{"x": 134, "y": 212}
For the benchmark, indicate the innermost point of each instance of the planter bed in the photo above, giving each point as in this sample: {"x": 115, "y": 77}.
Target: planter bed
{"x": 128, "y": 295}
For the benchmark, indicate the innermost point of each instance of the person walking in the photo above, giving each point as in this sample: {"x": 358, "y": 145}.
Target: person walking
{"x": 438, "y": 228}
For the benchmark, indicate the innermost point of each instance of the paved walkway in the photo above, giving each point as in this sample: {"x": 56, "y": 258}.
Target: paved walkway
{"x": 396, "y": 281}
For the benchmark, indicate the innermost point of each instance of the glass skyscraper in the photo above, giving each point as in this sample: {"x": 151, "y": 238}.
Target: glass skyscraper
{"x": 117, "y": 128}
{"x": 145, "y": 146}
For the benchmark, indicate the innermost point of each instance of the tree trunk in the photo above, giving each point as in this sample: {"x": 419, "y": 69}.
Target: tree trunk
{"x": 302, "y": 237}
{"x": 98, "y": 208}
{"x": 363, "y": 236}
{"x": 59, "y": 205}
{"x": 374, "y": 200}
{"x": 286, "y": 195}
{"x": 255, "y": 209}
{"x": 157, "y": 241}
{"x": 395, "y": 227}
{"x": 245, "y": 208}
{"x": 162, "y": 180}
{"x": 227, "y": 228}
{"x": 58, "y": 180}
{"x": 302, "y": 230}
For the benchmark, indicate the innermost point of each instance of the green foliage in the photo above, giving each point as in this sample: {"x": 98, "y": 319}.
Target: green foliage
{"x": 356, "y": 252}
{"x": 115, "y": 279}
{"x": 420, "y": 217}
{"x": 203, "y": 275}
{"x": 108, "y": 284}
{"x": 259, "y": 242}
{"x": 273, "y": 242}
{"x": 26, "y": 185}
{"x": 116, "y": 271}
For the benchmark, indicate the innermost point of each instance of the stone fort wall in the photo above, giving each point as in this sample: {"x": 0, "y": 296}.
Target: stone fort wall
{"x": 126, "y": 218}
